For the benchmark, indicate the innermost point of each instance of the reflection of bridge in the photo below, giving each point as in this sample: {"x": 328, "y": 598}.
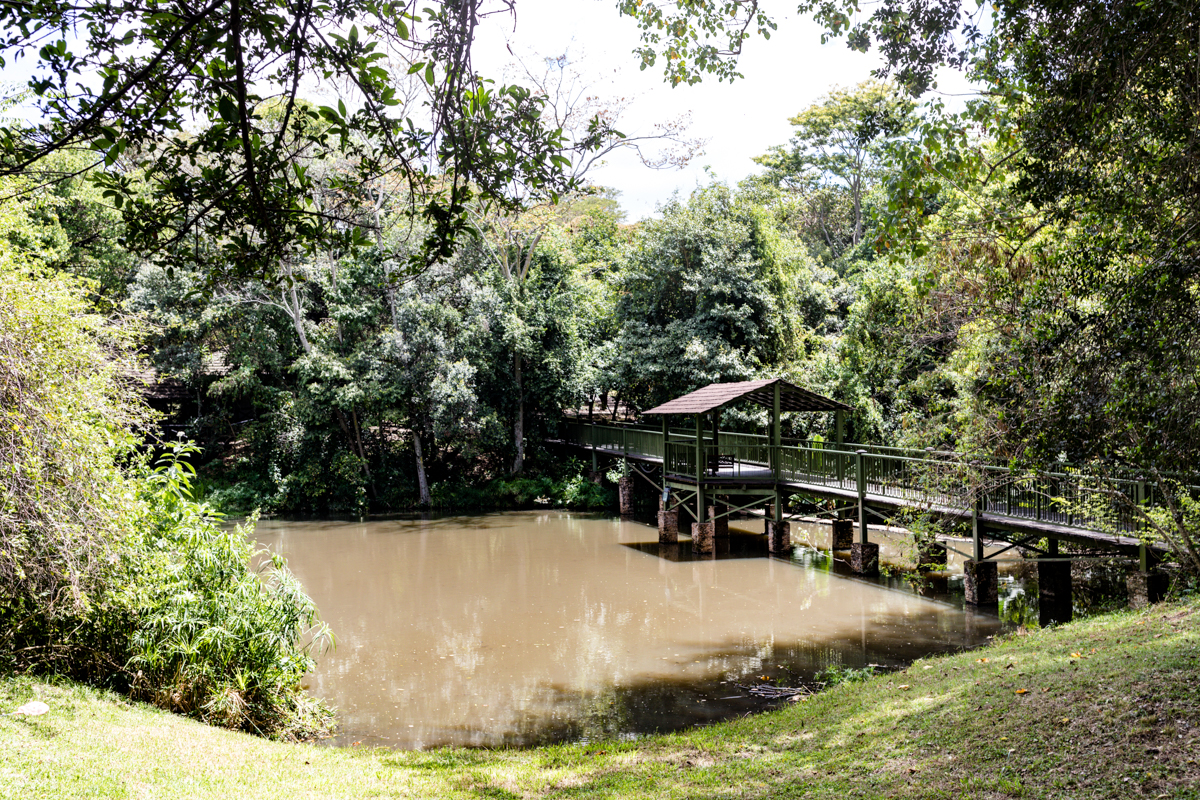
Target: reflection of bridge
{"x": 707, "y": 474}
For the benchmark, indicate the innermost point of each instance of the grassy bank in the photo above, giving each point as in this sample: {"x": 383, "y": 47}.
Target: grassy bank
{"x": 1107, "y": 707}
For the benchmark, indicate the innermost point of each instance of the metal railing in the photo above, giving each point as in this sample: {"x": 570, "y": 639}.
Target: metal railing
{"x": 915, "y": 478}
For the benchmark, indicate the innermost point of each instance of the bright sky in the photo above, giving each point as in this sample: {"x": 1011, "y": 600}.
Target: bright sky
{"x": 740, "y": 120}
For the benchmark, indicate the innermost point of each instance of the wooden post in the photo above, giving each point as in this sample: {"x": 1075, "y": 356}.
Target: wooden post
{"x": 776, "y": 443}
{"x": 976, "y": 530}
{"x": 839, "y": 423}
{"x": 592, "y": 438}
{"x": 861, "y": 478}
{"x": 717, "y": 452}
{"x": 700, "y": 506}
{"x": 666, "y": 434}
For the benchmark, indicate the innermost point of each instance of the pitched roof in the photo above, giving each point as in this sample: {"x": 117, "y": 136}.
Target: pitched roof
{"x": 791, "y": 398}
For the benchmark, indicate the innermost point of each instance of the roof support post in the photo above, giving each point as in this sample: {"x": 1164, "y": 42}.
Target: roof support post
{"x": 839, "y": 424}
{"x": 776, "y": 444}
{"x": 701, "y": 511}
{"x": 666, "y": 434}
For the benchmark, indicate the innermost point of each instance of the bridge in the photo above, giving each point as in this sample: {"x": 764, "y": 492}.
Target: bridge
{"x": 705, "y": 474}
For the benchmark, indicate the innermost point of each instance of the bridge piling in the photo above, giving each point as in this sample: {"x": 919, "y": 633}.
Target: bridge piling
{"x": 668, "y": 527}
{"x": 625, "y": 494}
{"x": 930, "y": 554}
{"x": 1054, "y": 592}
{"x": 702, "y": 537}
{"x": 720, "y": 519}
{"x": 864, "y": 558}
{"x": 1146, "y": 587}
{"x": 982, "y": 582}
{"x": 843, "y": 534}
{"x": 779, "y": 536}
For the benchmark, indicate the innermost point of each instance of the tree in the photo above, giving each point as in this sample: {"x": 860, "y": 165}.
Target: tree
{"x": 841, "y": 139}
{"x": 711, "y": 293}
{"x": 589, "y": 127}
{"x": 195, "y": 119}
{"x": 1083, "y": 170}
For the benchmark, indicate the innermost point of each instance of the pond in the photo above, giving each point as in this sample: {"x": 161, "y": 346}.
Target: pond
{"x": 523, "y": 628}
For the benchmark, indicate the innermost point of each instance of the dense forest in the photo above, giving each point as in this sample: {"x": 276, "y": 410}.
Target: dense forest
{"x": 347, "y": 311}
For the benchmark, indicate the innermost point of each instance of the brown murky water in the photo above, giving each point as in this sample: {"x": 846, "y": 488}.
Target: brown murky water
{"x": 523, "y": 628}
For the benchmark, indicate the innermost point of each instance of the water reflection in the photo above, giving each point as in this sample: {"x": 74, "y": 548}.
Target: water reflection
{"x": 525, "y": 628}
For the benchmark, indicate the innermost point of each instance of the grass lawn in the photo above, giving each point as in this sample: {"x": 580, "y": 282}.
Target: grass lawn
{"x": 1105, "y": 707}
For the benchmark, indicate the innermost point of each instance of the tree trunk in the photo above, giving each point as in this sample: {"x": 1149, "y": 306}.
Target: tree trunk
{"x": 856, "y": 190}
{"x": 422, "y": 482}
{"x": 519, "y": 425}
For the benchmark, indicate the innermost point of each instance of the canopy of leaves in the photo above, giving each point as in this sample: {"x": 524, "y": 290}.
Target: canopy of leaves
{"x": 195, "y": 114}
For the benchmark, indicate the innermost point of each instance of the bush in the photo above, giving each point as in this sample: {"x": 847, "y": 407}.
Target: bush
{"x": 215, "y": 638}
{"x": 109, "y": 572}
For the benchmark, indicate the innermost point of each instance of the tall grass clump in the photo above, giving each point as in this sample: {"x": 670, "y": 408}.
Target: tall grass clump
{"x": 109, "y": 572}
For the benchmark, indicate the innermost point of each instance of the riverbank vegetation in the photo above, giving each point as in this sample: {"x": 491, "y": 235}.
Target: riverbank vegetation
{"x": 109, "y": 572}
{"x": 1105, "y": 707}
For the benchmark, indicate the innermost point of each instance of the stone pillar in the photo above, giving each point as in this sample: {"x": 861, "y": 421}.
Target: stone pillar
{"x": 702, "y": 537}
{"x": 982, "y": 582}
{"x": 930, "y": 553}
{"x": 625, "y": 493}
{"x": 864, "y": 558}
{"x": 1054, "y": 592}
{"x": 779, "y": 536}
{"x": 843, "y": 534}
{"x": 668, "y": 527}
{"x": 721, "y": 529}
{"x": 1146, "y": 588}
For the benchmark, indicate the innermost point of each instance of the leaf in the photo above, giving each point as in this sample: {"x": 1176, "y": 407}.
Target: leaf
{"x": 904, "y": 687}
{"x": 227, "y": 109}
{"x": 1022, "y": 691}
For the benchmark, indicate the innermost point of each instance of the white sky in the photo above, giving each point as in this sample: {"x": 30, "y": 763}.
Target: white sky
{"x": 740, "y": 120}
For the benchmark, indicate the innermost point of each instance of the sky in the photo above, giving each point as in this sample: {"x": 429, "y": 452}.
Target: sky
{"x": 739, "y": 120}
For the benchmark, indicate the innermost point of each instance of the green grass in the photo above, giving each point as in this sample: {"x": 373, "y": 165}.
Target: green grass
{"x": 1111, "y": 708}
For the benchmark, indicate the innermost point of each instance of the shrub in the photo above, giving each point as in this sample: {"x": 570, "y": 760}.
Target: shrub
{"x": 109, "y": 571}
{"x": 216, "y": 638}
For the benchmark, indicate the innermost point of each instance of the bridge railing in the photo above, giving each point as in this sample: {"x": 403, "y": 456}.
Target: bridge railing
{"x": 1070, "y": 498}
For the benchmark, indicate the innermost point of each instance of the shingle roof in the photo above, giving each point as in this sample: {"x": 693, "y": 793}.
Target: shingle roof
{"x": 792, "y": 398}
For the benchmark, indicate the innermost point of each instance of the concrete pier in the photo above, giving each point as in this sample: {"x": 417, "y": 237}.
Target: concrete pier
{"x": 930, "y": 554}
{"x": 1146, "y": 587}
{"x": 1054, "y": 592}
{"x": 843, "y": 534}
{"x": 721, "y": 523}
{"x": 779, "y": 536}
{"x": 703, "y": 536}
{"x": 625, "y": 495}
{"x": 668, "y": 527}
{"x": 982, "y": 582}
{"x": 864, "y": 558}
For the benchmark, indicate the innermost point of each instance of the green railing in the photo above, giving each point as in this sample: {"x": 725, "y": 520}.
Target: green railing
{"x": 915, "y": 478}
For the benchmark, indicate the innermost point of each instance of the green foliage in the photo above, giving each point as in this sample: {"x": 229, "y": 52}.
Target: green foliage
{"x": 568, "y": 488}
{"x": 838, "y": 144}
{"x": 200, "y": 136}
{"x": 110, "y": 572}
{"x": 216, "y": 636}
{"x": 65, "y": 417}
{"x": 713, "y": 292}
{"x": 837, "y": 674}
